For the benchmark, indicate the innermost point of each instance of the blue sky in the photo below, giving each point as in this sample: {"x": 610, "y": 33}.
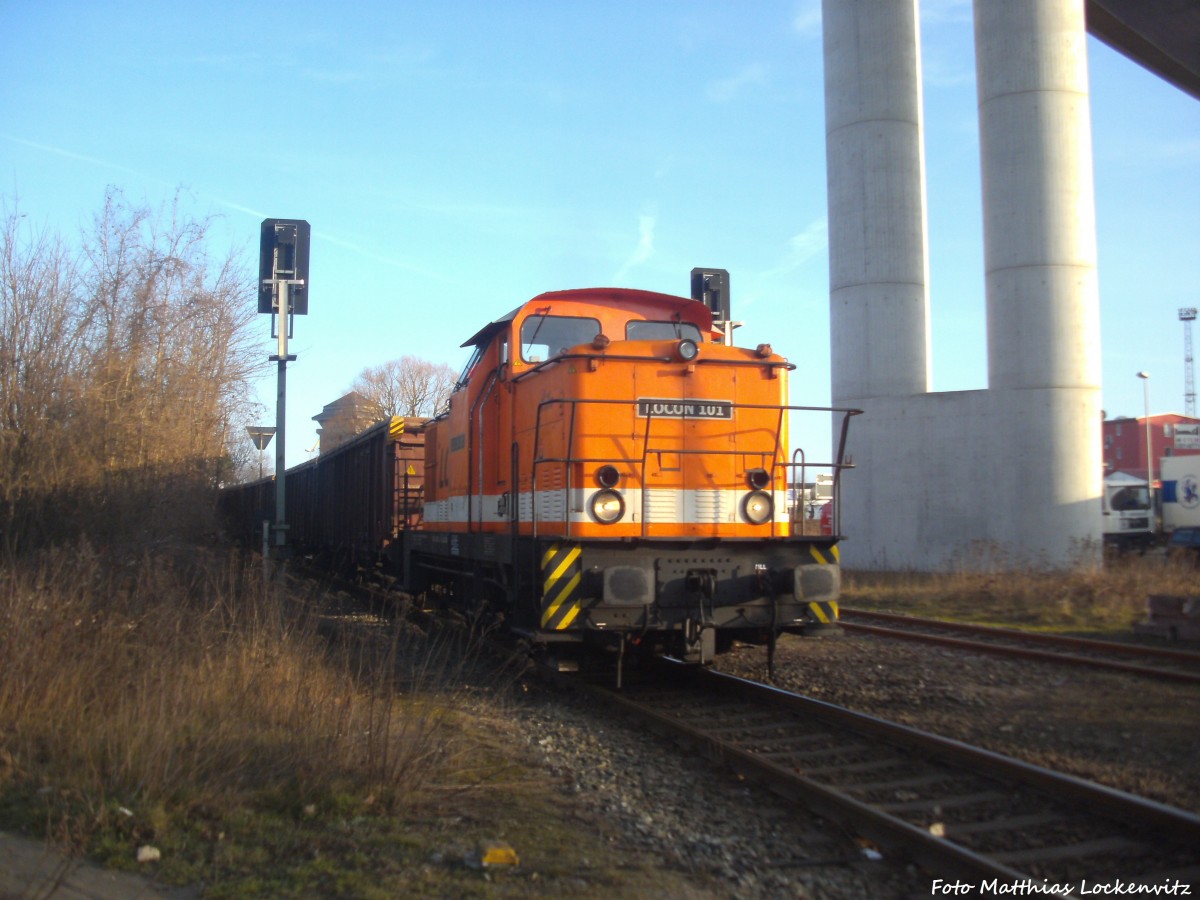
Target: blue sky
{"x": 456, "y": 159}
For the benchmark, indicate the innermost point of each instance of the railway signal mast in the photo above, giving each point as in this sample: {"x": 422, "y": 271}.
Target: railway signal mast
{"x": 283, "y": 293}
{"x": 1187, "y": 315}
{"x": 711, "y": 287}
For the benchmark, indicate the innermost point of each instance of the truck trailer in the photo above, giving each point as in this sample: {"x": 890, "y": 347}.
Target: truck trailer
{"x": 1180, "y": 492}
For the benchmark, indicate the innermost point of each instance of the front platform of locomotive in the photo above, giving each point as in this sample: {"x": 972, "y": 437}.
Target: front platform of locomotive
{"x": 653, "y": 473}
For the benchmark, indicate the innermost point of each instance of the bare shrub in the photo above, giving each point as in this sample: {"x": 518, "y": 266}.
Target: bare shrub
{"x": 124, "y": 366}
{"x": 167, "y": 680}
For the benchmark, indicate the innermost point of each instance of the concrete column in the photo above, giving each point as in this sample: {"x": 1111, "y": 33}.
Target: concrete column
{"x": 1038, "y": 198}
{"x": 878, "y": 265}
{"x": 1040, "y": 252}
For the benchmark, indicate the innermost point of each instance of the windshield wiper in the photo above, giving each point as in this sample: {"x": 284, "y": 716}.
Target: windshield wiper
{"x": 545, "y": 314}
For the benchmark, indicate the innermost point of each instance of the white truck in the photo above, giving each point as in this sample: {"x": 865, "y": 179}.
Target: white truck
{"x": 1129, "y": 520}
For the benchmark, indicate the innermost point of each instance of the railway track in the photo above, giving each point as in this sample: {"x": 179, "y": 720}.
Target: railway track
{"x": 960, "y": 811}
{"x": 1135, "y": 659}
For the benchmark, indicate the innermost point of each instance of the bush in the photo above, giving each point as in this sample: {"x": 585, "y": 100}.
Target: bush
{"x": 178, "y": 680}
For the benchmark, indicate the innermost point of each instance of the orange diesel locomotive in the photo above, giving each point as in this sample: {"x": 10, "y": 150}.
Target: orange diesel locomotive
{"x": 610, "y": 470}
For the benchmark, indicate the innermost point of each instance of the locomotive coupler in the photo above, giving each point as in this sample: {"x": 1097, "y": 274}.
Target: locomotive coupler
{"x": 700, "y": 634}
{"x": 699, "y": 641}
{"x": 702, "y": 582}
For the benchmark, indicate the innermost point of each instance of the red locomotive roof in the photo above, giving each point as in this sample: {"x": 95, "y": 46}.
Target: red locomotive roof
{"x": 625, "y": 298}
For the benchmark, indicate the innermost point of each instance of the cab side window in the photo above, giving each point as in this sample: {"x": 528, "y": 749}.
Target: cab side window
{"x": 638, "y": 330}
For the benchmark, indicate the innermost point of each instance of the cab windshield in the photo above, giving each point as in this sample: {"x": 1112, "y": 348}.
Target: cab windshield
{"x": 1130, "y": 498}
{"x": 544, "y": 336}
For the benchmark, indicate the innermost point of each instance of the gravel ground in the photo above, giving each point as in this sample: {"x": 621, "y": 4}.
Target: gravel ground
{"x": 1131, "y": 733}
{"x": 736, "y": 839}
{"x": 739, "y": 840}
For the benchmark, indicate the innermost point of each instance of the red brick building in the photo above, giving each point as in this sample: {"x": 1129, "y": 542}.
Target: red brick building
{"x": 1125, "y": 441}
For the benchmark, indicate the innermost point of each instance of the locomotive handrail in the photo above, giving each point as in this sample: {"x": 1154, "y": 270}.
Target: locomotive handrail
{"x": 634, "y": 357}
{"x": 479, "y": 401}
{"x": 570, "y": 459}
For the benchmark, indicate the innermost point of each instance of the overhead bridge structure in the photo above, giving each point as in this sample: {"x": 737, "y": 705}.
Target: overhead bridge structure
{"x": 949, "y": 479}
{"x": 1162, "y": 35}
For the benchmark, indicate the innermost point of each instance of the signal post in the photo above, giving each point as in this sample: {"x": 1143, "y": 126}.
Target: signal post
{"x": 283, "y": 293}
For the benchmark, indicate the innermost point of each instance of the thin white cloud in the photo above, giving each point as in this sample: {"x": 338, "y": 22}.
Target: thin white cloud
{"x": 92, "y": 160}
{"x": 807, "y": 19}
{"x": 391, "y": 261}
{"x": 798, "y": 250}
{"x": 237, "y": 207}
{"x": 725, "y": 89}
{"x": 811, "y": 242}
{"x": 644, "y": 249}
{"x": 230, "y": 205}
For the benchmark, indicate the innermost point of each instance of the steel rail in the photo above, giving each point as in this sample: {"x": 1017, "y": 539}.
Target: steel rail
{"x": 1026, "y": 652}
{"x": 887, "y": 828}
{"x": 1110, "y": 801}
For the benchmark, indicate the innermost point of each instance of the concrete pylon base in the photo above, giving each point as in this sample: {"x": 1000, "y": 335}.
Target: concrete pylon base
{"x": 975, "y": 481}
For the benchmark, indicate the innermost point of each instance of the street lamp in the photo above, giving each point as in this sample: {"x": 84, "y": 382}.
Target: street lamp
{"x": 1145, "y": 376}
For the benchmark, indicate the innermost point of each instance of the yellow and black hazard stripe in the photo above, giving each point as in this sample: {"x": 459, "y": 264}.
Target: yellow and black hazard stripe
{"x": 827, "y": 557}
{"x": 825, "y": 611}
{"x": 562, "y": 572}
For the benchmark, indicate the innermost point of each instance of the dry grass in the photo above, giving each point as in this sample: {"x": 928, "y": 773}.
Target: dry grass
{"x": 1107, "y": 599}
{"x": 176, "y": 683}
{"x": 270, "y": 747}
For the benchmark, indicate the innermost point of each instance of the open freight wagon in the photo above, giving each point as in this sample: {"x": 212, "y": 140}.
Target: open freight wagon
{"x": 348, "y": 506}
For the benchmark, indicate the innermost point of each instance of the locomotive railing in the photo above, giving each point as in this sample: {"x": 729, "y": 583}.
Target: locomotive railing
{"x": 645, "y": 357}
{"x": 570, "y": 460}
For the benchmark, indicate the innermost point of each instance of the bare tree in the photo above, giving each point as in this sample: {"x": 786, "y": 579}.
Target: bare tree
{"x": 408, "y": 386}
{"x": 41, "y": 332}
{"x": 169, "y": 343}
{"x": 123, "y": 368}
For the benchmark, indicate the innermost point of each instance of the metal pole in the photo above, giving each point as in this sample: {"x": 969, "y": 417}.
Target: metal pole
{"x": 1145, "y": 376}
{"x": 280, "y": 417}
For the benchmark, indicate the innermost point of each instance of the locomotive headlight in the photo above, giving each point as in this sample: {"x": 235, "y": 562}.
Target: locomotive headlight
{"x": 687, "y": 350}
{"x": 607, "y": 506}
{"x": 607, "y": 476}
{"x": 758, "y": 507}
{"x": 758, "y": 478}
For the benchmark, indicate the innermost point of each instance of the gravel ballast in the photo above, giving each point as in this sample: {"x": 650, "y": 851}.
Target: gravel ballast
{"x": 1133, "y": 734}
